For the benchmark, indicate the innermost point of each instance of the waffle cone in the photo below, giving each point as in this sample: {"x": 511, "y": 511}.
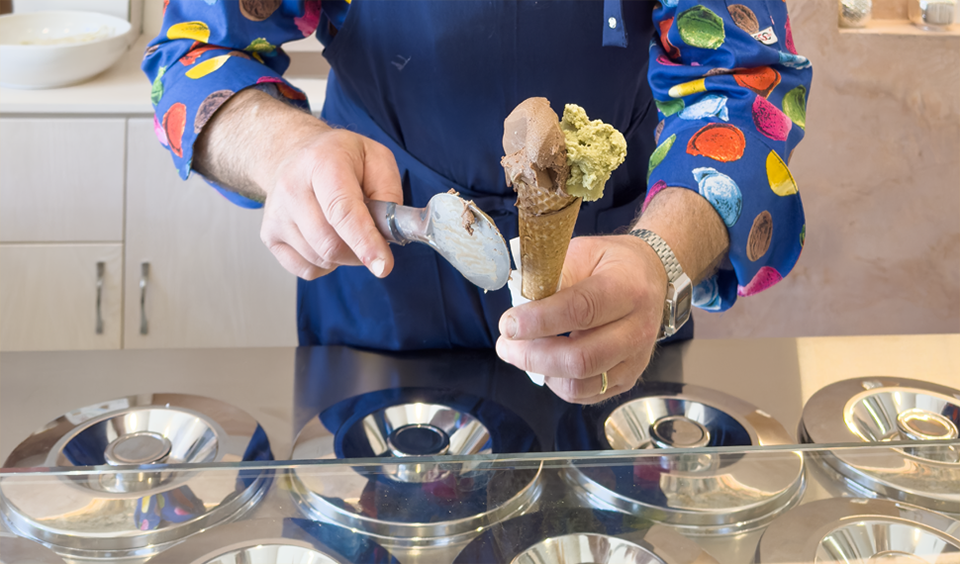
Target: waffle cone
{"x": 537, "y": 200}
{"x": 544, "y": 238}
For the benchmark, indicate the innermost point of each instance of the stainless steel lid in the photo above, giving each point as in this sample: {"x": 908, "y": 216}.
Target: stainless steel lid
{"x": 135, "y": 502}
{"x": 275, "y": 541}
{"x": 699, "y": 489}
{"x": 581, "y": 536}
{"x": 419, "y": 429}
{"x": 578, "y": 548}
{"x": 860, "y": 530}
{"x": 413, "y": 494}
{"x": 18, "y": 550}
{"x": 887, "y": 409}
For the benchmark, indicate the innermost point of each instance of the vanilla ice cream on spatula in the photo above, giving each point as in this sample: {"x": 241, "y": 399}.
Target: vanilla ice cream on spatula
{"x": 553, "y": 165}
{"x": 456, "y": 228}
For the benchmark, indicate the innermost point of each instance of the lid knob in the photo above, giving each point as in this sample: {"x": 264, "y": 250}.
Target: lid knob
{"x": 678, "y": 431}
{"x": 922, "y": 425}
{"x": 419, "y": 439}
{"x": 143, "y": 447}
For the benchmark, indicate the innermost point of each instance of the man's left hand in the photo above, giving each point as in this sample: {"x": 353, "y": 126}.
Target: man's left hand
{"x": 611, "y": 304}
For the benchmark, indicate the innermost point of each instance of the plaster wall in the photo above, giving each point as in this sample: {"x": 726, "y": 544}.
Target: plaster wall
{"x": 879, "y": 174}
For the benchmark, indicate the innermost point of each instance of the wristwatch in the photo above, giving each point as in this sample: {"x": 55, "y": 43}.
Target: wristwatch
{"x": 676, "y": 308}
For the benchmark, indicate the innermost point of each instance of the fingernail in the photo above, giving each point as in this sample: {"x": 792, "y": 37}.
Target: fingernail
{"x": 510, "y": 327}
{"x": 377, "y": 266}
{"x": 501, "y": 349}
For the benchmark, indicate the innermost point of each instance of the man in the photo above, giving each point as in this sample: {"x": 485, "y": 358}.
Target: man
{"x": 415, "y": 105}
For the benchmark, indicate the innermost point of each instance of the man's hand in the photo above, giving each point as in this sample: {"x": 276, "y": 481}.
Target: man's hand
{"x": 314, "y": 217}
{"x": 313, "y": 180}
{"x": 611, "y": 301}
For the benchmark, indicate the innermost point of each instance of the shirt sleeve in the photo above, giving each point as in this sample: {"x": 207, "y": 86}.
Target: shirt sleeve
{"x": 731, "y": 92}
{"x": 207, "y": 51}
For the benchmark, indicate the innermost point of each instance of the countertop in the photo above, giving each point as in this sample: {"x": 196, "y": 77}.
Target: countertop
{"x": 284, "y": 387}
{"x": 122, "y": 89}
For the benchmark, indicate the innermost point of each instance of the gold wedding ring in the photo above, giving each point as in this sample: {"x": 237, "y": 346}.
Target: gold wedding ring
{"x": 603, "y": 383}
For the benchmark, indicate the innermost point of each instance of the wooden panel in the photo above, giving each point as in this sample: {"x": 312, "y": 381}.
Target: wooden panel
{"x": 212, "y": 282}
{"x": 48, "y": 297}
{"x": 879, "y": 176}
{"x": 61, "y": 180}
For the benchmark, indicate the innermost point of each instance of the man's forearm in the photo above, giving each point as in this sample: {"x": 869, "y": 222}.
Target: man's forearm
{"x": 689, "y": 224}
{"x": 241, "y": 146}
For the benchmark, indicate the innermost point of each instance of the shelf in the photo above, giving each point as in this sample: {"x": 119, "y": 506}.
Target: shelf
{"x": 899, "y": 27}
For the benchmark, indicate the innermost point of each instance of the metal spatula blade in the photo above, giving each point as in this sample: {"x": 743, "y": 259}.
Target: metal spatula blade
{"x": 456, "y": 228}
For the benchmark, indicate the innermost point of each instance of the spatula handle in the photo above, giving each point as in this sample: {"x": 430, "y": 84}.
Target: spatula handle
{"x": 398, "y": 224}
{"x": 385, "y": 218}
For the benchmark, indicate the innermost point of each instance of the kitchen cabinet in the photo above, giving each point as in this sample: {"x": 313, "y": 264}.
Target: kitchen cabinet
{"x": 211, "y": 281}
{"x": 76, "y": 192}
{"x": 60, "y": 297}
{"x": 61, "y": 180}
{"x": 61, "y": 228}
{"x": 80, "y": 168}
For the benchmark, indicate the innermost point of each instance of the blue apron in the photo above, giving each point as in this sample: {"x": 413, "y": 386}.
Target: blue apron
{"x": 433, "y": 82}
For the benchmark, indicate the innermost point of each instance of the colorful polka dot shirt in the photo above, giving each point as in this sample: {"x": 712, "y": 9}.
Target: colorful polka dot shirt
{"x": 729, "y": 85}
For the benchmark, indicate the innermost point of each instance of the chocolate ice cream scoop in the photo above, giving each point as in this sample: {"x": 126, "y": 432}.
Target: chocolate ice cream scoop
{"x": 535, "y": 149}
{"x": 536, "y": 166}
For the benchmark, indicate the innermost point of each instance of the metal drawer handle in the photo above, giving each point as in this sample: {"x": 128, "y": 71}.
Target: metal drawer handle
{"x": 101, "y": 267}
{"x": 144, "y": 278}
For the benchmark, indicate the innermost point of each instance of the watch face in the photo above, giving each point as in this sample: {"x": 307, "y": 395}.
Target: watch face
{"x": 677, "y": 307}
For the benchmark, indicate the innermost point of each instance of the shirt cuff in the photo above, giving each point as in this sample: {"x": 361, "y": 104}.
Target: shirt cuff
{"x": 752, "y": 191}
{"x": 187, "y": 92}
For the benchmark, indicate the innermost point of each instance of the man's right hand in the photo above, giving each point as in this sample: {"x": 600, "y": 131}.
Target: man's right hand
{"x": 312, "y": 178}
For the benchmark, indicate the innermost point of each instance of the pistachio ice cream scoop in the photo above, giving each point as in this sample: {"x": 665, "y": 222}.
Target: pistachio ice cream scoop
{"x": 594, "y": 150}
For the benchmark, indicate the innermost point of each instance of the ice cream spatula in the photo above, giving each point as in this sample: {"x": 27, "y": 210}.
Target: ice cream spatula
{"x": 455, "y": 228}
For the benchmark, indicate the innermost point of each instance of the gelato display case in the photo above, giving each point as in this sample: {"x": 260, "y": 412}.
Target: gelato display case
{"x": 127, "y": 514}
{"x": 334, "y": 455}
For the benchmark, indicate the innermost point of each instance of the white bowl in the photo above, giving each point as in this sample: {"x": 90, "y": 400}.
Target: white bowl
{"x": 58, "y": 48}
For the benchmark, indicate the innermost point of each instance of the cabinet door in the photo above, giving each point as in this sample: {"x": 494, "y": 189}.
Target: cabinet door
{"x": 211, "y": 282}
{"x": 61, "y": 180}
{"x": 54, "y": 297}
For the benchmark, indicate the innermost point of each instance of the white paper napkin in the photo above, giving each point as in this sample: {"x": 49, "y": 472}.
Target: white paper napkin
{"x": 515, "y": 284}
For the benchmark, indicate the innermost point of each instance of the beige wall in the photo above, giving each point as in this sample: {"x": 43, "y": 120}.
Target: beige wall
{"x": 879, "y": 173}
